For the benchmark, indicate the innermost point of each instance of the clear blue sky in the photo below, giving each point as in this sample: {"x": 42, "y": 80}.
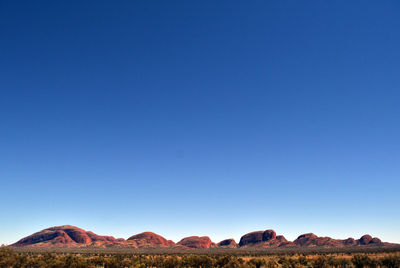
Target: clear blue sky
{"x": 200, "y": 117}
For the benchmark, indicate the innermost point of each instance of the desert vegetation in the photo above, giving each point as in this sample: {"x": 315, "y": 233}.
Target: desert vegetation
{"x": 80, "y": 258}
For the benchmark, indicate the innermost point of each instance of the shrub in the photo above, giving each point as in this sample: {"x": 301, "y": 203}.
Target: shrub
{"x": 391, "y": 261}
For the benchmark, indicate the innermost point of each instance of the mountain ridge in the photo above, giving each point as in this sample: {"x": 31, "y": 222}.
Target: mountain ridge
{"x": 72, "y": 236}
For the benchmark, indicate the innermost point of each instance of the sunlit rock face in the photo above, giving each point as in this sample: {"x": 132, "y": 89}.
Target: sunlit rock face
{"x": 195, "y": 242}
{"x": 71, "y": 236}
{"x": 150, "y": 240}
{"x": 65, "y": 235}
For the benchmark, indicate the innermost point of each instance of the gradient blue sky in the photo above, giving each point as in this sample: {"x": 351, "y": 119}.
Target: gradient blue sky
{"x": 200, "y": 117}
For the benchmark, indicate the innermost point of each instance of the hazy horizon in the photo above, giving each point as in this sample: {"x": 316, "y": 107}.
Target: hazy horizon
{"x": 200, "y": 118}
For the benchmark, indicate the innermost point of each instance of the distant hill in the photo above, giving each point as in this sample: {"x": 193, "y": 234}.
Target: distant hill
{"x": 71, "y": 236}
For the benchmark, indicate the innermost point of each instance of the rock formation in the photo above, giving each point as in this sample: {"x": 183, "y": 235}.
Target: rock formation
{"x": 71, "y": 236}
{"x": 195, "y": 242}
{"x": 266, "y": 238}
{"x": 228, "y": 243}
{"x": 311, "y": 240}
{"x": 65, "y": 236}
{"x": 150, "y": 240}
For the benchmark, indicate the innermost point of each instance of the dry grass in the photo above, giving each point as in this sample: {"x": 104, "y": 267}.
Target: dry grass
{"x": 108, "y": 258}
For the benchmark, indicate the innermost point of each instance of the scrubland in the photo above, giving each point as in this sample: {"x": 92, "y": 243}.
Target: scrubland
{"x": 113, "y": 258}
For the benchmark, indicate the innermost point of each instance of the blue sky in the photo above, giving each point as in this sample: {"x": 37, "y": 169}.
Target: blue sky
{"x": 200, "y": 117}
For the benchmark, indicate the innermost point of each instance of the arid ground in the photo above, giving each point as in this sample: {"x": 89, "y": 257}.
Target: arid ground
{"x": 217, "y": 257}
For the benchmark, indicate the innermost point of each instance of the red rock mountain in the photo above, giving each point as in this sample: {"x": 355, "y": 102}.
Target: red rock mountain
{"x": 150, "y": 240}
{"x": 71, "y": 236}
{"x": 266, "y": 238}
{"x": 65, "y": 236}
{"x": 195, "y": 242}
{"x": 311, "y": 240}
{"x": 228, "y": 243}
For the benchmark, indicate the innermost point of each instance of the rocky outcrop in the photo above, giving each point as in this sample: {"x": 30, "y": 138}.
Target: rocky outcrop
{"x": 365, "y": 239}
{"x": 251, "y": 238}
{"x": 281, "y": 239}
{"x": 195, "y": 242}
{"x": 349, "y": 241}
{"x": 375, "y": 241}
{"x": 311, "y": 240}
{"x": 306, "y": 239}
{"x": 266, "y": 238}
{"x": 66, "y": 235}
{"x": 268, "y": 235}
{"x": 368, "y": 240}
{"x": 228, "y": 243}
{"x": 150, "y": 240}
{"x": 71, "y": 236}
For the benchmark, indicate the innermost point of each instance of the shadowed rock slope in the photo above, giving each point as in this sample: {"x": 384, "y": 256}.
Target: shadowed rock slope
{"x": 228, "y": 243}
{"x": 71, "y": 236}
{"x": 266, "y": 238}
